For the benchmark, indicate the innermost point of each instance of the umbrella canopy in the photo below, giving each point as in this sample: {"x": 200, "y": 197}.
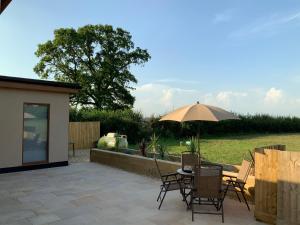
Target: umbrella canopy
{"x": 199, "y": 112}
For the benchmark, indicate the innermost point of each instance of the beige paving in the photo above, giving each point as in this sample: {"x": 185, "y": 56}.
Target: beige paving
{"x": 91, "y": 194}
{"x": 81, "y": 155}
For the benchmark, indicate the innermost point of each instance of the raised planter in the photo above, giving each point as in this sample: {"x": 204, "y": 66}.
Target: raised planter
{"x": 145, "y": 166}
{"x": 133, "y": 163}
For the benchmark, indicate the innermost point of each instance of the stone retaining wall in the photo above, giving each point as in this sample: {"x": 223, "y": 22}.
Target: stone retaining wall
{"x": 146, "y": 166}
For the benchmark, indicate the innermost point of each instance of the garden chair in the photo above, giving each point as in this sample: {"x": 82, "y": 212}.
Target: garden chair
{"x": 170, "y": 182}
{"x": 189, "y": 160}
{"x": 207, "y": 189}
{"x": 237, "y": 183}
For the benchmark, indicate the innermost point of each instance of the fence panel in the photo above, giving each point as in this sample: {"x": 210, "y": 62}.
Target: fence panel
{"x": 266, "y": 162}
{"x": 84, "y": 134}
{"x": 288, "y": 195}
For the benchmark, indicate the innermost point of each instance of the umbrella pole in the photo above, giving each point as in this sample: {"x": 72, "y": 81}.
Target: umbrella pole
{"x": 198, "y": 141}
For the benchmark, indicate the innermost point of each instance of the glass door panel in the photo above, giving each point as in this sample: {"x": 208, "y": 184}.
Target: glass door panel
{"x": 35, "y": 133}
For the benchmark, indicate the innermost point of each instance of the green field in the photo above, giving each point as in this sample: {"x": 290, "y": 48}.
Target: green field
{"x": 232, "y": 149}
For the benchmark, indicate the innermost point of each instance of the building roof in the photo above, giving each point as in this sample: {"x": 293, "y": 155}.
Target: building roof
{"x": 37, "y": 85}
{"x": 3, "y": 4}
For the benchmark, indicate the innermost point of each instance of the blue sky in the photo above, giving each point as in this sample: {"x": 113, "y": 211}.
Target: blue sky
{"x": 241, "y": 55}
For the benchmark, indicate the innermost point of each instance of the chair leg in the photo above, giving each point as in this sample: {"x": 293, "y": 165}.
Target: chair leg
{"x": 225, "y": 193}
{"x": 184, "y": 196}
{"x": 243, "y": 194}
{"x": 192, "y": 206}
{"x": 159, "y": 195}
{"x": 161, "y": 201}
{"x": 237, "y": 194}
{"x": 222, "y": 212}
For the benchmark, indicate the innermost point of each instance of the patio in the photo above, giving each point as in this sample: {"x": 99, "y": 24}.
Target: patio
{"x": 90, "y": 193}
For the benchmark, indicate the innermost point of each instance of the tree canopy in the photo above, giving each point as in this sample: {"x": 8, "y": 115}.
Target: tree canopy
{"x": 98, "y": 57}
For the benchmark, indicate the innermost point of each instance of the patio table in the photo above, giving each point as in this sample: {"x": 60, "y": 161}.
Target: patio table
{"x": 190, "y": 176}
{"x": 183, "y": 173}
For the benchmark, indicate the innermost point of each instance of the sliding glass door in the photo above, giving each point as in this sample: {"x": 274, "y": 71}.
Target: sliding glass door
{"x": 35, "y": 133}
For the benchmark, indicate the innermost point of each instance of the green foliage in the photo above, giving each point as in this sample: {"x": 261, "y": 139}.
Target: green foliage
{"x": 248, "y": 124}
{"x": 117, "y": 146}
{"x": 154, "y": 145}
{"x": 194, "y": 145}
{"x": 98, "y": 57}
{"x": 128, "y": 122}
{"x": 136, "y": 128}
{"x": 162, "y": 151}
{"x": 102, "y": 144}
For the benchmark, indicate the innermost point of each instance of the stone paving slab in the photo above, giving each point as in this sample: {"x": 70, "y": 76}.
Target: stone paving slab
{"x": 91, "y": 194}
{"x": 81, "y": 155}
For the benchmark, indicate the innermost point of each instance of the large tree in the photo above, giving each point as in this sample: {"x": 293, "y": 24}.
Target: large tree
{"x": 98, "y": 57}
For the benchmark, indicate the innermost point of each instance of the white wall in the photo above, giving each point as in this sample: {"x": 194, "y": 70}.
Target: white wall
{"x": 11, "y": 124}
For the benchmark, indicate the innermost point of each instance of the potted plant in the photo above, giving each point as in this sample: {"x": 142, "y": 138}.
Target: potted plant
{"x": 194, "y": 145}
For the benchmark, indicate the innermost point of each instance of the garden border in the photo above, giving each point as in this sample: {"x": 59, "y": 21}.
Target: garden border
{"x": 145, "y": 166}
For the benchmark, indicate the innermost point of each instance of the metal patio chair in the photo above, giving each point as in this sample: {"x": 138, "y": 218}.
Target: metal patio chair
{"x": 237, "y": 183}
{"x": 189, "y": 160}
{"x": 207, "y": 189}
{"x": 170, "y": 182}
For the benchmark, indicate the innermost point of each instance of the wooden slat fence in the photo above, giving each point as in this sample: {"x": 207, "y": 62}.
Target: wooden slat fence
{"x": 277, "y": 185}
{"x": 84, "y": 134}
{"x": 266, "y": 185}
{"x": 288, "y": 193}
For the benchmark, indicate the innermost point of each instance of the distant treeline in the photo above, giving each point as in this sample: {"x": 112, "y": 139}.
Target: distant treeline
{"x": 136, "y": 127}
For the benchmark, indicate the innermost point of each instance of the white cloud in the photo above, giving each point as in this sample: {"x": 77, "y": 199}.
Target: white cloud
{"x": 156, "y": 98}
{"x": 266, "y": 26}
{"x": 159, "y": 99}
{"x": 226, "y": 97}
{"x": 167, "y": 97}
{"x": 178, "y": 81}
{"x": 223, "y": 17}
{"x": 273, "y": 96}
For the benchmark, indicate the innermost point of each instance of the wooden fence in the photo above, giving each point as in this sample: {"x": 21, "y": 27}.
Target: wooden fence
{"x": 84, "y": 134}
{"x": 288, "y": 188}
{"x": 277, "y": 185}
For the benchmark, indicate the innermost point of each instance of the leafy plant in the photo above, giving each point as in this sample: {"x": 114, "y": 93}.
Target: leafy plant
{"x": 194, "y": 145}
{"x": 162, "y": 151}
{"x": 117, "y": 144}
{"x": 153, "y": 145}
{"x": 102, "y": 144}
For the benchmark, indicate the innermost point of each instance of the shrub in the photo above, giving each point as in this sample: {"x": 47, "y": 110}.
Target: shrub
{"x": 162, "y": 151}
{"x": 194, "y": 145}
{"x": 247, "y": 124}
{"x": 136, "y": 127}
{"x": 153, "y": 145}
{"x": 102, "y": 144}
{"x": 128, "y": 122}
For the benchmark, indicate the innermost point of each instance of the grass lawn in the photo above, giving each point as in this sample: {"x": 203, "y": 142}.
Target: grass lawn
{"x": 232, "y": 149}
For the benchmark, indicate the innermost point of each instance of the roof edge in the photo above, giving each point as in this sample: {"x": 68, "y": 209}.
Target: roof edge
{"x": 22, "y": 80}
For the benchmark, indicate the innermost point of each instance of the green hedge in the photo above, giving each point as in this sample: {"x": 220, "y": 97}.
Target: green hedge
{"x": 248, "y": 124}
{"x": 126, "y": 122}
{"x": 136, "y": 127}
